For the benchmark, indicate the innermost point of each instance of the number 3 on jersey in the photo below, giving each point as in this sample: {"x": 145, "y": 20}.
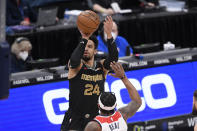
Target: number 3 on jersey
{"x": 90, "y": 89}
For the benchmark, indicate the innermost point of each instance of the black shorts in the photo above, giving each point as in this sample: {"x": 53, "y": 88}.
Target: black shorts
{"x": 73, "y": 121}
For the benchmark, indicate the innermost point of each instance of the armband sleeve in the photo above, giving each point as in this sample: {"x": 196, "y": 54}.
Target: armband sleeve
{"x": 113, "y": 53}
{"x": 77, "y": 54}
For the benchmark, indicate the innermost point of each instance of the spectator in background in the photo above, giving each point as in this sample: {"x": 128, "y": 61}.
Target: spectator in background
{"x": 137, "y": 4}
{"x": 20, "y": 54}
{"x": 149, "y": 3}
{"x": 101, "y": 6}
{"x": 123, "y": 46}
{"x": 104, "y": 6}
{"x": 19, "y": 12}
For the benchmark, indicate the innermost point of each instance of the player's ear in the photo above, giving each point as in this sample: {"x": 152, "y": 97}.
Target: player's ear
{"x": 95, "y": 51}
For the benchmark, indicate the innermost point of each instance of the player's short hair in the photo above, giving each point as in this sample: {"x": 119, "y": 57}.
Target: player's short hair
{"x": 95, "y": 40}
{"x": 107, "y": 102}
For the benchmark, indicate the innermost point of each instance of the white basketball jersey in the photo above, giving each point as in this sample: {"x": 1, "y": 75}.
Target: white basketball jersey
{"x": 114, "y": 122}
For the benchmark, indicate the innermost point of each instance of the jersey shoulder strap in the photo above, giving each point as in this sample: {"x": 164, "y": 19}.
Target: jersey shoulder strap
{"x": 108, "y": 119}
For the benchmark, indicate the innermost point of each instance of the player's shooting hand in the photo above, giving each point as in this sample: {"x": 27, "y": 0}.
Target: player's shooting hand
{"x": 108, "y": 24}
{"x": 85, "y": 35}
{"x": 118, "y": 70}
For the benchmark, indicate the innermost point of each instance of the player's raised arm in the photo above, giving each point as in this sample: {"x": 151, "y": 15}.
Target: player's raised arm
{"x": 77, "y": 54}
{"x": 112, "y": 48}
{"x": 92, "y": 20}
{"x": 75, "y": 59}
{"x": 136, "y": 102}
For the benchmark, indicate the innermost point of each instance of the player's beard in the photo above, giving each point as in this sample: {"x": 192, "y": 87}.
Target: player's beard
{"x": 86, "y": 58}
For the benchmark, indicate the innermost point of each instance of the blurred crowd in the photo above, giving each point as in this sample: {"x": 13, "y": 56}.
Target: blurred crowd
{"x": 25, "y": 13}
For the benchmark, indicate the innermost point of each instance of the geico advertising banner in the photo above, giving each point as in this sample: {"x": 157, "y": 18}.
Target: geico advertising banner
{"x": 165, "y": 91}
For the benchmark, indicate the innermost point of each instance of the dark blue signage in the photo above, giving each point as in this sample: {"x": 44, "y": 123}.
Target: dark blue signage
{"x": 165, "y": 91}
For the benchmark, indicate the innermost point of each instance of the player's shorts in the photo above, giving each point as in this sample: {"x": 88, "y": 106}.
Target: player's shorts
{"x": 74, "y": 121}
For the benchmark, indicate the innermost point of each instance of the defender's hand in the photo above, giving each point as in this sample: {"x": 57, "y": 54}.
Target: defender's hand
{"x": 118, "y": 70}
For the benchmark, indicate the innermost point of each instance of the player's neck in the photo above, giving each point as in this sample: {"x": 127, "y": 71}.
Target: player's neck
{"x": 104, "y": 114}
{"x": 89, "y": 63}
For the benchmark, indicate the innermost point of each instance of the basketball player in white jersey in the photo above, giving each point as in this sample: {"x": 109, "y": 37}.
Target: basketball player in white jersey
{"x": 109, "y": 119}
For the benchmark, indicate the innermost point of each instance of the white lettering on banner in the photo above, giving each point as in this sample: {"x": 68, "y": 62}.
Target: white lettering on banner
{"x": 172, "y": 123}
{"x": 48, "y": 97}
{"x": 24, "y": 81}
{"x": 136, "y": 64}
{"x": 192, "y": 121}
{"x": 147, "y": 82}
{"x": 138, "y": 128}
{"x": 184, "y": 58}
{"x": 117, "y": 86}
{"x": 165, "y": 79}
{"x": 150, "y": 127}
{"x": 161, "y": 61}
{"x": 45, "y": 78}
{"x": 64, "y": 75}
{"x": 107, "y": 87}
{"x": 138, "y": 87}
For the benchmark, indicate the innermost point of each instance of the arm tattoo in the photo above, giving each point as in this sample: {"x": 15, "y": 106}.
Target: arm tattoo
{"x": 129, "y": 110}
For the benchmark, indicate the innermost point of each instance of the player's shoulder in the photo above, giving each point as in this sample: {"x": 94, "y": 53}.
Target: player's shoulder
{"x": 93, "y": 126}
{"x": 99, "y": 63}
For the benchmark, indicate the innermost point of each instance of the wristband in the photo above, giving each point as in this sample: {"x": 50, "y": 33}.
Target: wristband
{"x": 122, "y": 77}
{"x": 110, "y": 41}
{"x": 84, "y": 41}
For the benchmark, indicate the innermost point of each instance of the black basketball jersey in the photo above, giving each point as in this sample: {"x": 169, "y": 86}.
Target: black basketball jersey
{"x": 85, "y": 88}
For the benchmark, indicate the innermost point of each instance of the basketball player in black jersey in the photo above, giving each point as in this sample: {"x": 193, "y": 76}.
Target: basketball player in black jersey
{"x": 86, "y": 79}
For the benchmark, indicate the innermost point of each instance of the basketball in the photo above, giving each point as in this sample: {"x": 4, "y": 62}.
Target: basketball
{"x": 88, "y": 21}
